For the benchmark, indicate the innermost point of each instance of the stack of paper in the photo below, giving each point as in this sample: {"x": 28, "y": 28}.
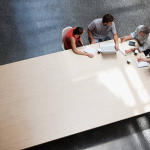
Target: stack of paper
{"x": 141, "y": 64}
{"x": 89, "y": 49}
{"x": 107, "y": 48}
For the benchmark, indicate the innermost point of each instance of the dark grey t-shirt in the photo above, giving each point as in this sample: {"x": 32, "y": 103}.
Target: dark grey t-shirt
{"x": 99, "y": 31}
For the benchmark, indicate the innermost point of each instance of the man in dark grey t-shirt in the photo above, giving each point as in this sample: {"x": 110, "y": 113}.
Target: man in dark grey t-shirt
{"x": 99, "y": 28}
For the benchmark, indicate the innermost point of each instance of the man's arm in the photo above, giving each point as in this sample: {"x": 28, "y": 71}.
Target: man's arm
{"x": 91, "y": 37}
{"x": 131, "y": 49}
{"x": 145, "y": 46}
{"x": 74, "y": 48}
{"x": 126, "y": 38}
{"x": 132, "y": 35}
{"x": 116, "y": 41}
{"x": 129, "y": 37}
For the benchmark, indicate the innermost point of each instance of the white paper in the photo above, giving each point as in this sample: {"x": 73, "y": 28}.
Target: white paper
{"x": 141, "y": 64}
{"x": 122, "y": 47}
{"x": 122, "y": 51}
{"x": 107, "y": 47}
{"x": 89, "y": 49}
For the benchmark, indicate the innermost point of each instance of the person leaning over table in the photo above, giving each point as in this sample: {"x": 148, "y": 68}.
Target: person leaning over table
{"x": 99, "y": 28}
{"x": 73, "y": 40}
{"x": 141, "y": 34}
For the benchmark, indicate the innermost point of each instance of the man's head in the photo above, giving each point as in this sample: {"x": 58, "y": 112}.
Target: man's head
{"x": 144, "y": 31}
{"x": 78, "y": 31}
{"x": 108, "y": 20}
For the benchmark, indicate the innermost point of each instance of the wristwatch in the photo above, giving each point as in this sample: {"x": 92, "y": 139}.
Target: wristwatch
{"x": 117, "y": 42}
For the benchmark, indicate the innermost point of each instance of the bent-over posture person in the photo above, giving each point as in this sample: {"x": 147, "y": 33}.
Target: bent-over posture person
{"x": 99, "y": 28}
{"x": 142, "y": 36}
{"x": 73, "y": 40}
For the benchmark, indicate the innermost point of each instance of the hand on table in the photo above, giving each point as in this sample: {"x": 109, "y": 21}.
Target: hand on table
{"x": 128, "y": 51}
{"x": 122, "y": 39}
{"x": 141, "y": 59}
{"x": 93, "y": 42}
{"x": 90, "y": 55}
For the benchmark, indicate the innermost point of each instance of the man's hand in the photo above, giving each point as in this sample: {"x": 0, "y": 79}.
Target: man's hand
{"x": 129, "y": 50}
{"x": 122, "y": 39}
{"x": 90, "y": 55}
{"x": 117, "y": 46}
{"x": 93, "y": 42}
{"x": 141, "y": 59}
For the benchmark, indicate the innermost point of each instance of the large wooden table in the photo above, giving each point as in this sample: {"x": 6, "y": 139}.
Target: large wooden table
{"x": 53, "y": 96}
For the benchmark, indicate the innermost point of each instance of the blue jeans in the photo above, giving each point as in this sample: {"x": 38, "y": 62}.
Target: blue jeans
{"x": 106, "y": 39}
{"x": 100, "y": 40}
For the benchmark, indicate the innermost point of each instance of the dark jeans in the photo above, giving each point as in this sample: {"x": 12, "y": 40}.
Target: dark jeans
{"x": 146, "y": 52}
{"x": 79, "y": 44}
{"x": 100, "y": 40}
{"x": 106, "y": 39}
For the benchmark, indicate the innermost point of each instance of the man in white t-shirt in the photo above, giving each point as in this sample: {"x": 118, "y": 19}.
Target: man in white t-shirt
{"x": 99, "y": 28}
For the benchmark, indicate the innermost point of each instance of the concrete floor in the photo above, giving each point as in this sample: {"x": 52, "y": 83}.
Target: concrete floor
{"x": 33, "y": 28}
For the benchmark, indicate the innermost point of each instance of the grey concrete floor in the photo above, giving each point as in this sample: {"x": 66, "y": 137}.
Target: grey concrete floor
{"x": 31, "y": 28}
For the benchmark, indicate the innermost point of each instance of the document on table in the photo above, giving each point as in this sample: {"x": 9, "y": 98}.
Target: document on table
{"x": 122, "y": 47}
{"x": 141, "y": 64}
{"x": 107, "y": 47}
{"x": 89, "y": 49}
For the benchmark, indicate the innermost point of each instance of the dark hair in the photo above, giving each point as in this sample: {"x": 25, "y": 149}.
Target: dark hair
{"x": 108, "y": 18}
{"x": 78, "y": 31}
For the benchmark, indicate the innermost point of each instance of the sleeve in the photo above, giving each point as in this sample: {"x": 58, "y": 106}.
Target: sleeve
{"x": 92, "y": 25}
{"x": 135, "y": 33}
{"x": 144, "y": 47}
{"x": 113, "y": 29}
